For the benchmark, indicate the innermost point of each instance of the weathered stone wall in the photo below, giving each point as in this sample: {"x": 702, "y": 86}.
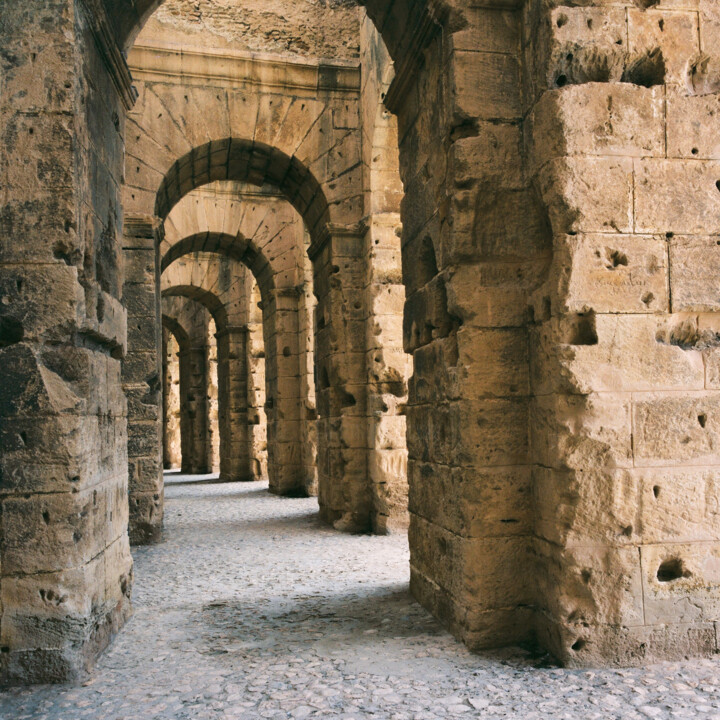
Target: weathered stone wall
{"x": 621, "y": 142}
{"x": 291, "y": 27}
{"x": 257, "y": 418}
{"x": 65, "y": 566}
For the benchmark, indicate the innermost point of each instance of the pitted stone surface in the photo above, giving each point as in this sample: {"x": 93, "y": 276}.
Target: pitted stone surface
{"x": 252, "y": 609}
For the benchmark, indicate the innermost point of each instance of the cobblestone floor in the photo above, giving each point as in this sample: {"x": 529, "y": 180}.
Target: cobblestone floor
{"x": 252, "y": 609}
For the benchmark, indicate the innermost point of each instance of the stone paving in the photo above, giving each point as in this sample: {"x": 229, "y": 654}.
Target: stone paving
{"x": 250, "y": 608}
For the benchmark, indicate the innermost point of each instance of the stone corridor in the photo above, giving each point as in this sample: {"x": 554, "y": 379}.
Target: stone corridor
{"x": 251, "y": 608}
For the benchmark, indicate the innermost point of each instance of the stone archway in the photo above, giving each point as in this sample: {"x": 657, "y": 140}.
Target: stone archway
{"x": 542, "y": 449}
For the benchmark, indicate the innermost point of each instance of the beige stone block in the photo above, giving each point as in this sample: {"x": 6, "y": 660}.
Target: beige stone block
{"x": 590, "y": 585}
{"x": 612, "y": 353}
{"x": 494, "y": 362}
{"x": 485, "y": 85}
{"x": 675, "y": 33}
{"x": 47, "y": 533}
{"x": 678, "y": 196}
{"x": 681, "y": 582}
{"x": 34, "y": 604}
{"x": 488, "y": 294}
{"x": 587, "y": 507}
{"x": 477, "y": 502}
{"x": 494, "y": 152}
{"x": 610, "y": 273}
{"x": 694, "y": 273}
{"x": 607, "y": 119}
{"x": 489, "y": 30}
{"x": 482, "y": 573}
{"x": 590, "y": 195}
{"x": 581, "y": 432}
{"x": 692, "y": 131}
{"x": 679, "y": 505}
{"x": 671, "y": 429}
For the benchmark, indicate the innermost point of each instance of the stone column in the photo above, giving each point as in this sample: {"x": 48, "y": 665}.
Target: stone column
{"x": 142, "y": 378}
{"x": 257, "y": 420}
{"x": 341, "y": 381}
{"x": 475, "y": 244}
{"x": 172, "y": 455}
{"x": 194, "y": 409}
{"x": 233, "y": 391}
{"x": 65, "y": 564}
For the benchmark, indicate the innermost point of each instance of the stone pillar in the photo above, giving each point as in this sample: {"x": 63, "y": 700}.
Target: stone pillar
{"x": 341, "y": 381}
{"x": 475, "y": 243}
{"x": 212, "y": 440}
{"x": 257, "y": 420}
{"x": 65, "y": 564}
{"x": 172, "y": 455}
{"x": 194, "y": 409}
{"x": 142, "y": 378}
{"x": 388, "y": 366}
{"x": 233, "y": 392}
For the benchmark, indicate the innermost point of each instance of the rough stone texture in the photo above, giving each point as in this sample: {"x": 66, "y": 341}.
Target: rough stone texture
{"x": 298, "y": 27}
{"x": 65, "y": 565}
{"x": 142, "y": 382}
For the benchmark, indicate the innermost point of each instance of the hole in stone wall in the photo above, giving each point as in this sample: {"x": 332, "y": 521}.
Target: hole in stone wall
{"x": 11, "y": 331}
{"x": 647, "y": 70}
{"x": 581, "y": 330}
{"x": 578, "y": 645}
{"x": 23, "y": 437}
{"x": 695, "y": 151}
{"x": 586, "y": 575}
{"x": 562, "y": 20}
{"x": 286, "y": 351}
{"x": 561, "y": 80}
{"x": 645, "y": 4}
{"x": 46, "y": 517}
{"x": 656, "y": 491}
{"x": 672, "y": 569}
{"x": 647, "y": 298}
{"x": 348, "y": 400}
{"x": 702, "y": 419}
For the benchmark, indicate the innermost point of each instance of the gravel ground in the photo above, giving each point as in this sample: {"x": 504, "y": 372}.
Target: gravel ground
{"x": 251, "y": 608}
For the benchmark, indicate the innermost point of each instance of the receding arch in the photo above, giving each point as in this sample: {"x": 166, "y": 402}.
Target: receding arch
{"x": 180, "y": 333}
{"x": 242, "y": 160}
{"x": 234, "y": 247}
{"x": 211, "y": 301}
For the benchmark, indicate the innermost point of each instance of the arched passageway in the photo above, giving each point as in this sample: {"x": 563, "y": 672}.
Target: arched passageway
{"x": 558, "y": 255}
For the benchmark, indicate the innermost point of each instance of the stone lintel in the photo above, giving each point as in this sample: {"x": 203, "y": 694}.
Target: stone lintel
{"x": 233, "y": 69}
